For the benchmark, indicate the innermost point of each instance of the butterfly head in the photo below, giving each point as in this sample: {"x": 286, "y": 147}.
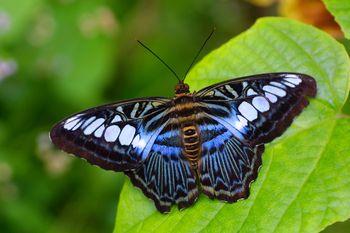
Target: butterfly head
{"x": 182, "y": 88}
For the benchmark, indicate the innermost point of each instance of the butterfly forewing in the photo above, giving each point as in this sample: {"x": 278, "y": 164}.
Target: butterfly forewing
{"x": 260, "y": 107}
{"x": 116, "y": 136}
{"x": 240, "y": 116}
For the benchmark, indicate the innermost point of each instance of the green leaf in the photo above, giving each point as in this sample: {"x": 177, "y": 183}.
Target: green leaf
{"x": 303, "y": 185}
{"x": 341, "y": 11}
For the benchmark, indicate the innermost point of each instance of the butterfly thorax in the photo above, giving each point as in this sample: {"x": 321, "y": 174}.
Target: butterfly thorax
{"x": 185, "y": 109}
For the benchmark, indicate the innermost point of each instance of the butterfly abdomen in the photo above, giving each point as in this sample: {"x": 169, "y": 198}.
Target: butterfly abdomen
{"x": 191, "y": 143}
{"x": 186, "y": 111}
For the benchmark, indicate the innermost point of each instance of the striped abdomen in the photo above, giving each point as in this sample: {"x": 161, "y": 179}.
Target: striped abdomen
{"x": 187, "y": 112}
{"x": 191, "y": 143}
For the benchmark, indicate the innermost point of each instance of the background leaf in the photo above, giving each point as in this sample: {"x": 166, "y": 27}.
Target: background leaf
{"x": 303, "y": 184}
{"x": 340, "y": 9}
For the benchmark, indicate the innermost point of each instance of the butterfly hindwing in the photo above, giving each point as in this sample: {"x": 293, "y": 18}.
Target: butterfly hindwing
{"x": 166, "y": 175}
{"x": 227, "y": 165}
{"x": 167, "y": 180}
{"x": 116, "y": 136}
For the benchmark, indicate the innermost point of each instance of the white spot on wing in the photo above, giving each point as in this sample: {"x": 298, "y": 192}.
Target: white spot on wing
{"x": 251, "y": 92}
{"x": 261, "y": 104}
{"x": 278, "y": 84}
{"x": 127, "y": 135}
{"x": 231, "y": 90}
{"x": 243, "y": 120}
{"x": 241, "y": 123}
{"x": 294, "y": 80}
{"x": 73, "y": 118}
{"x": 120, "y": 109}
{"x": 248, "y": 111}
{"x": 219, "y": 94}
{"x": 116, "y": 118}
{"x": 148, "y": 107}
{"x": 288, "y": 84}
{"x": 291, "y": 76}
{"x": 70, "y": 124}
{"x": 112, "y": 133}
{"x": 98, "y": 133}
{"x": 244, "y": 84}
{"x": 138, "y": 142}
{"x": 88, "y": 121}
{"x": 210, "y": 93}
{"x": 134, "y": 110}
{"x": 272, "y": 98}
{"x": 93, "y": 126}
{"x": 77, "y": 126}
{"x": 275, "y": 90}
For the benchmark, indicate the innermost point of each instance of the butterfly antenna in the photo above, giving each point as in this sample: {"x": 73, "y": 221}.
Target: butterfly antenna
{"x": 160, "y": 59}
{"x": 199, "y": 51}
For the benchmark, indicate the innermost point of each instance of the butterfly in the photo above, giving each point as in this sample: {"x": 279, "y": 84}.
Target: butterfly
{"x": 210, "y": 141}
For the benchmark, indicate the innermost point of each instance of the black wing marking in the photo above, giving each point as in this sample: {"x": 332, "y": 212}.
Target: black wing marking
{"x": 260, "y": 107}
{"x": 166, "y": 176}
{"x": 116, "y": 136}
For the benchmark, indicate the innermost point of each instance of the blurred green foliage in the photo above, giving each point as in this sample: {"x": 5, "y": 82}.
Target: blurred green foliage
{"x": 61, "y": 56}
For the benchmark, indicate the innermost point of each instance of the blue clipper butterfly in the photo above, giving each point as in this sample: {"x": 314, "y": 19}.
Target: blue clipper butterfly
{"x": 210, "y": 141}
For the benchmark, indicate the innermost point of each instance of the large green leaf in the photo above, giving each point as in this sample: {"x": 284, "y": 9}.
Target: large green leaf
{"x": 304, "y": 182}
{"x": 341, "y": 11}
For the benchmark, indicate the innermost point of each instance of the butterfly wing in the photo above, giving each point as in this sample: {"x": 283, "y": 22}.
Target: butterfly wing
{"x": 228, "y": 165}
{"x": 138, "y": 138}
{"x": 116, "y": 136}
{"x": 242, "y": 115}
{"x": 259, "y": 107}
